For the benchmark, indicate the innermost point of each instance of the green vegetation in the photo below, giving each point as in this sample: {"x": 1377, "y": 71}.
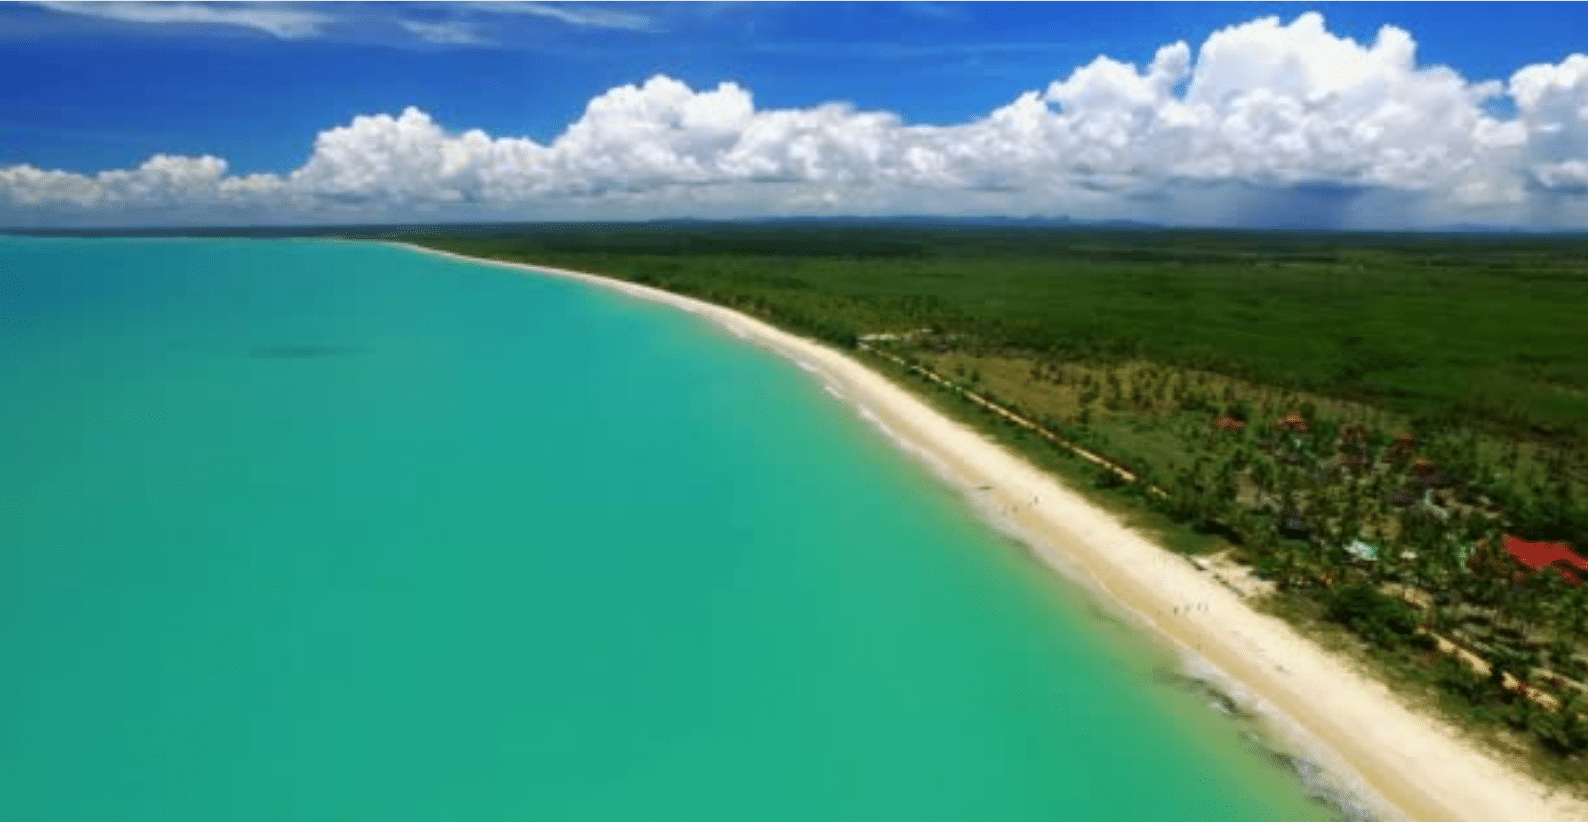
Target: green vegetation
{"x": 1292, "y": 399}
{"x": 1544, "y": 743}
{"x": 1378, "y": 617}
{"x": 1482, "y": 328}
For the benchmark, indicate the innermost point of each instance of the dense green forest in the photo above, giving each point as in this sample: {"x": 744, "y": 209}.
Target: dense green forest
{"x": 1469, "y": 328}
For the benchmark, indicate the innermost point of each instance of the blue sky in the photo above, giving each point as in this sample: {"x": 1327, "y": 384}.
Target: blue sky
{"x": 951, "y": 108}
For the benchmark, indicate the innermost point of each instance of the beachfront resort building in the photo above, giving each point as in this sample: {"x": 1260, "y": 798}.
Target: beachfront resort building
{"x": 1537, "y": 556}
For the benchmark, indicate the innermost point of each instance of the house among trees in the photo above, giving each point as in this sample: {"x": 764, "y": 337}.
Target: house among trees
{"x": 1355, "y": 453}
{"x": 1363, "y": 551}
{"x": 1368, "y": 553}
{"x": 1228, "y": 423}
{"x": 1428, "y": 474}
{"x": 1293, "y": 423}
{"x": 1539, "y": 555}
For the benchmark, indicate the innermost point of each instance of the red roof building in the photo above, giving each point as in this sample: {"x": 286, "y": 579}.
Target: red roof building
{"x": 1539, "y": 555}
{"x": 1292, "y": 422}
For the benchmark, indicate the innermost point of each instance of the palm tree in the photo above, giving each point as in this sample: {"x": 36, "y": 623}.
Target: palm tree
{"x": 1573, "y": 622}
{"x": 1290, "y": 566}
{"x": 1263, "y": 479}
{"x": 1323, "y": 519}
{"x": 1225, "y": 484}
{"x": 1444, "y": 564}
{"x": 1540, "y": 596}
{"x": 1566, "y": 732}
{"x": 1353, "y": 522}
{"x": 1398, "y": 557}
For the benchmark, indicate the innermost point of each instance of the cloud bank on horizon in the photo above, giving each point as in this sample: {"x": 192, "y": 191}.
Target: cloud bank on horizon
{"x": 1265, "y": 121}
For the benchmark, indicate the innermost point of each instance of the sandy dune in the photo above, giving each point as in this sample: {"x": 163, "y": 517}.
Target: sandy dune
{"x": 1401, "y": 763}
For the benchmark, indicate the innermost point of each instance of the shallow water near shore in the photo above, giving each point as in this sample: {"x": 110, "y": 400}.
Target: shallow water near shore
{"x": 334, "y": 531}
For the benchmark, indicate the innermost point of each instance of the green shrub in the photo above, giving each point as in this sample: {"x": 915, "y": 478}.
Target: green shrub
{"x": 1455, "y": 678}
{"x": 1564, "y": 733}
{"x": 1106, "y": 478}
{"x": 1374, "y": 615}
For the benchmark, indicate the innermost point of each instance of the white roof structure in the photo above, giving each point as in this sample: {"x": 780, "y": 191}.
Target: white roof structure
{"x": 1362, "y": 551}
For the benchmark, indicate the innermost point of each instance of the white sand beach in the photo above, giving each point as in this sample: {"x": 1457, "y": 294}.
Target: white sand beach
{"x": 1403, "y": 764}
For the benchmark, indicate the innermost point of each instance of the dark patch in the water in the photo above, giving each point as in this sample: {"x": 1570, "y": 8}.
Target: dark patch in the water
{"x": 1341, "y": 803}
{"x": 1102, "y": 615}
{"x": 1314, "y": 782}
{"x": 1221, "y": 702}
{"x": 304, "y": 352}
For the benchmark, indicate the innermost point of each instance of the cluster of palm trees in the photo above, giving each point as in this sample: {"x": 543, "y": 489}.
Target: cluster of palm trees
{"x": 1326, "y": 505}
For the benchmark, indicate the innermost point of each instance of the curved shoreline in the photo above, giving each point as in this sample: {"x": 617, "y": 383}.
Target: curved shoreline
{"x": 1402, "y": 764}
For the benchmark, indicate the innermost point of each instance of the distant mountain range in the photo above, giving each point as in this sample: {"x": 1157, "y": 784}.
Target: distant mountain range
{"x": 937, "y": 220}
{"x": 897, "y": 221}
{"x": 1062, "y": 222}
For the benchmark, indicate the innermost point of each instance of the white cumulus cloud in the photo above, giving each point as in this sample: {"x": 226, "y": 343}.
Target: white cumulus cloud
{"x": 1265, "y": 120}
{"x": 1552, "y": 101}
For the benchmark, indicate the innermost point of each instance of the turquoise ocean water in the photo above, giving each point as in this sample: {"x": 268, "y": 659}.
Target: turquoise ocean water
{"x": 321, "y": 531}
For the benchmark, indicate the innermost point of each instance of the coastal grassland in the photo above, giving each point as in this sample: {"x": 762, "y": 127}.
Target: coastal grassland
{"x": 1159, "y": 419}
{"x": 1130, "y": 344}
{"x": 1100, "y": 487}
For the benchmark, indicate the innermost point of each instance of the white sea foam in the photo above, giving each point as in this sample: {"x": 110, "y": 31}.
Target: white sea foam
{"x": 937, "y": 466}
{"x": 1323, "y": 775}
